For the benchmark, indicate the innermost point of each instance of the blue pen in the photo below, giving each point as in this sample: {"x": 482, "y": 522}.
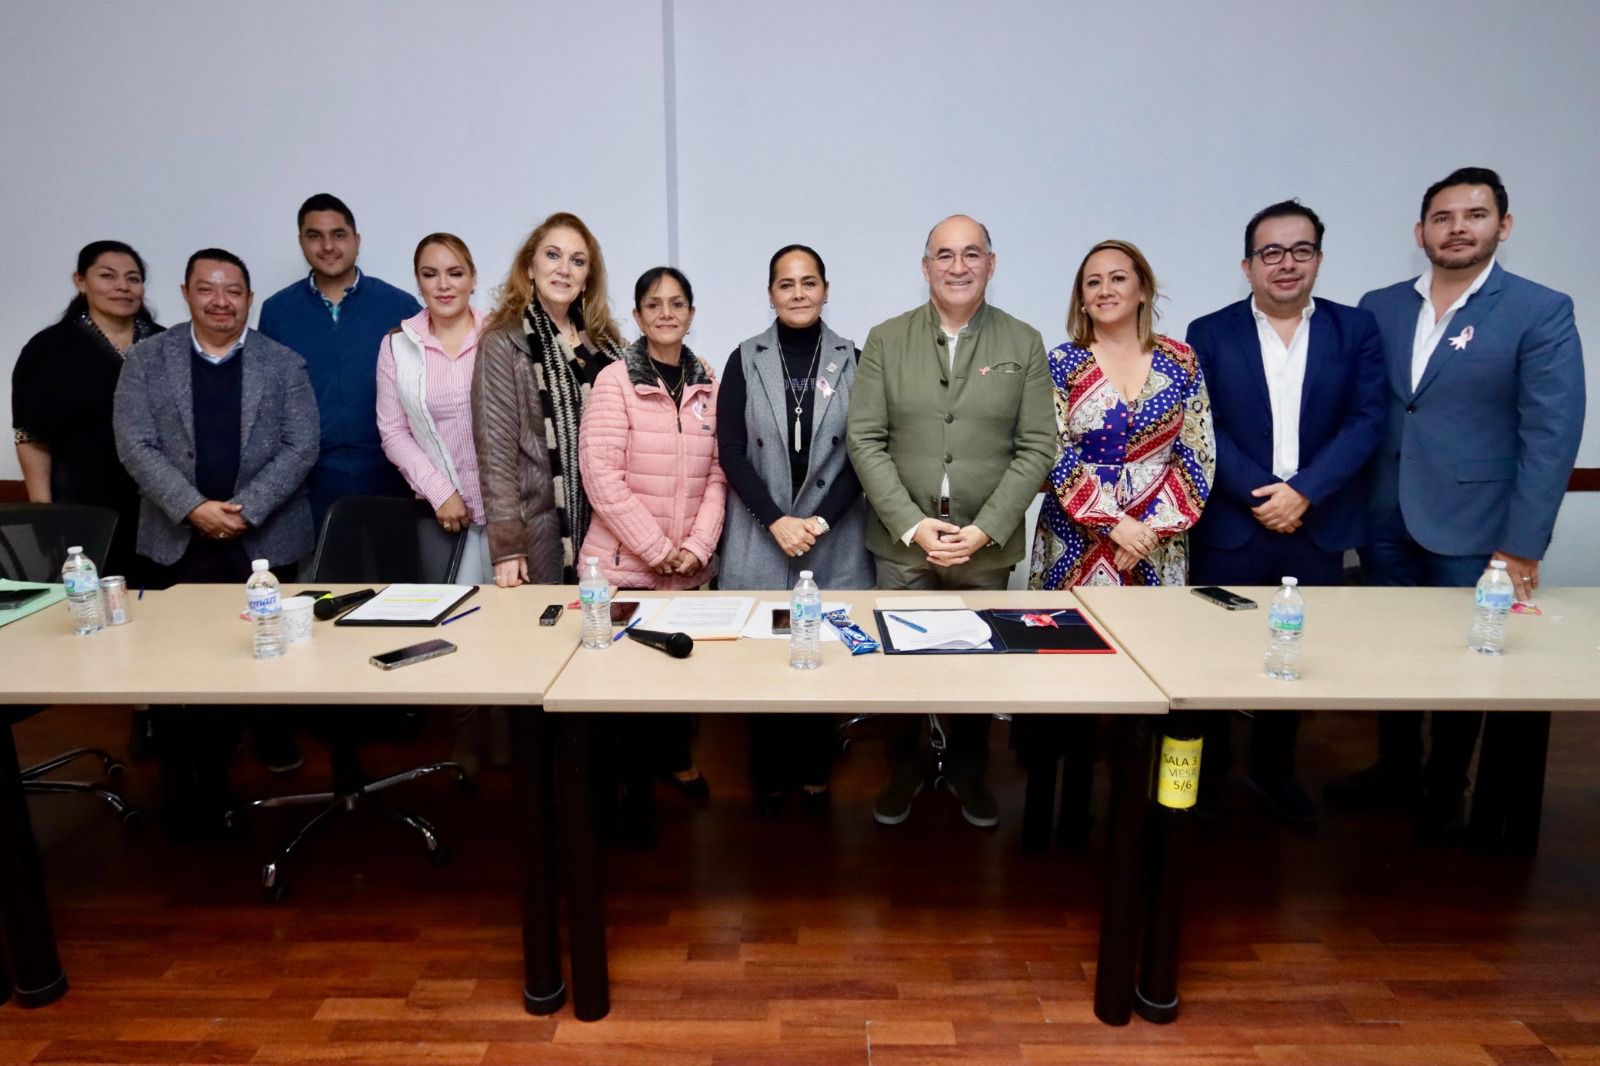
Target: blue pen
{"x": 907, "y": 624}
{"x": 459, "y": 617}
{"x": 624, "y": 630}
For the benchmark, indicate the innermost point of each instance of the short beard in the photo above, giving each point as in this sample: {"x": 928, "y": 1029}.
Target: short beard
{"x": 1475, "y": 258}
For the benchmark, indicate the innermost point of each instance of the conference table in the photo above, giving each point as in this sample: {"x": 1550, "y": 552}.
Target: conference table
{"x": 1374, "y": 649}
{"x": 753, "y": 676}
{"x": 190, "y": 645}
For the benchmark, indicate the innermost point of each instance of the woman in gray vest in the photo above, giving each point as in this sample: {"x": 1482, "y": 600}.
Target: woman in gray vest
{"x": 795, "y": 502}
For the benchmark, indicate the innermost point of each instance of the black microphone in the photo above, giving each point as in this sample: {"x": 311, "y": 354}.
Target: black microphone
{"x": 331, "y": 606}
{"x": 677, "y": 645}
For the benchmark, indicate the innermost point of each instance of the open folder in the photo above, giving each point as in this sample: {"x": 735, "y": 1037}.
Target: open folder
{"x": 409, "y": 605}
{"x": 1038, "y": 631}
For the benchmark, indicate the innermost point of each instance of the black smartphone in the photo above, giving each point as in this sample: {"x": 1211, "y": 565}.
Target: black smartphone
{"x": 551, "y": 614}
{"x": 780, "y": 620}
{"x": 1228, "y": 601}
{"x": 315, "y": 594}
{"x": 11, "y": 599}
{"x": 428, "y": 649}
{"x": 622, "y": 611}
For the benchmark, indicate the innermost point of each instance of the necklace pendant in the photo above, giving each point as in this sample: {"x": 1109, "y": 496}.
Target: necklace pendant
{"x": 797, "y": 431}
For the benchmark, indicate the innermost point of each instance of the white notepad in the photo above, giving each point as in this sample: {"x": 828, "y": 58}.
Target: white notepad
{"x": 945, "y": 630}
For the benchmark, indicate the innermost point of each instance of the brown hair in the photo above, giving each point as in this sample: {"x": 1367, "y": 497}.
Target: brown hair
{"x": 1080, "y": 327}
{"x": 450, "y": 241}
{"x": 517, "y": 292}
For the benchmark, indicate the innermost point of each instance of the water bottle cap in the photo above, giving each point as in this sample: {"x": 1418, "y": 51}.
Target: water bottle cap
{"x": 258, "y": 565}
{"x": 1291, "y": 581}
{"x": 77, "y": 550}
{"x": 805, "y": 575}
{"x": 1497, "y": 564}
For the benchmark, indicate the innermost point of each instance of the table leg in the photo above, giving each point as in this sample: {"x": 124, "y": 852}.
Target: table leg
{"x": 584, "y": 873}
{"x": 1125, "y": 832}
{"x": 27, "y": 940}
{"x": 543, "y": 991}
{"x": 1157, "y": 991}
{"x": 1508, "y": 803}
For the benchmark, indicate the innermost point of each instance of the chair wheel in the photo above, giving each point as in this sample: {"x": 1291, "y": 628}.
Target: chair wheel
{"x": 133, "y": 818}
{"x": 115, "y": 769}
{"x": 844, "y": 746}
{"x": 467, "y": 786}
{"x": 276, "y": 893}
{"x": 441, "y": 856}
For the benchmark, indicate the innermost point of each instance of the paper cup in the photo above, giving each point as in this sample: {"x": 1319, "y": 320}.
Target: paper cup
{"x": 297, "y": 619}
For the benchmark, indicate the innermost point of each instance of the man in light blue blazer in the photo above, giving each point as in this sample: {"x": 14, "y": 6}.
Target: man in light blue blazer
{"x": 1486, "y": 404}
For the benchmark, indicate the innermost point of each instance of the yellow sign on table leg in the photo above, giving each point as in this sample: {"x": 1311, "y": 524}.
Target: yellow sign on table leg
{"x": 1178, "y": 783}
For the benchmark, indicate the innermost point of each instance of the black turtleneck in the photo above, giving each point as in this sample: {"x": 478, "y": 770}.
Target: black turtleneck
{"x": 801, "y": 366}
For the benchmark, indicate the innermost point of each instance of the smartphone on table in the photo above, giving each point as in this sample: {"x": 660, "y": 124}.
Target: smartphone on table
{"x": 1228, "y": 601}
{"x": 780, "y": 621}
{"x": 622, "y": 611}
{"x": 415, "y": 653}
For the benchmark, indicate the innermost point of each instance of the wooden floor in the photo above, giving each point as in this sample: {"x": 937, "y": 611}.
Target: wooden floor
{"x": 815, "y": 940}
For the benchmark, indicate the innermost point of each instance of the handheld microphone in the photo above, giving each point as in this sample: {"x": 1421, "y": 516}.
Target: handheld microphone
{"x": 332, "y": 606}
{"x": 677, "y": 645}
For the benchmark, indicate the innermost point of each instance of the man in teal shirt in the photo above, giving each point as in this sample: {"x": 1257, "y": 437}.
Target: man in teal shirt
{"x": 952, "y": 432}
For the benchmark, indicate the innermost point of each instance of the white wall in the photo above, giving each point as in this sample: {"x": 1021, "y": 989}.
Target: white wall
{"x": 851, "y": 126}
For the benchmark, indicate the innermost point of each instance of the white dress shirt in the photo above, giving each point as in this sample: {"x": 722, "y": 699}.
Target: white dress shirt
{"x": 1430, "y": 330}
{"x": 1285, "y": 367}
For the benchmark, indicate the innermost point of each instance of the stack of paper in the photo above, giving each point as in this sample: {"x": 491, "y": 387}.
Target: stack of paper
{"x": 941, "y": 630}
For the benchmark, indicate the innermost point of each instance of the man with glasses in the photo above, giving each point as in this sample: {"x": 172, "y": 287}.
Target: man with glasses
{"x": 951, "y": 432}
{"x": 1486, "y": 398}
{"x": 1296, "y": 389}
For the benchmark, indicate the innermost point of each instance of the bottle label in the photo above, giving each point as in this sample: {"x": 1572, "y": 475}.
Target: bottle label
{"x": 1285, "y": 621}
{"x": 1179, "y": 782}
{"x": 81, "y": 582}
{"x": 1498, "y": 597}
{"x": 805, "y": 612}
{"x": 588, "y": 597}
{"x": 264, "y": 602}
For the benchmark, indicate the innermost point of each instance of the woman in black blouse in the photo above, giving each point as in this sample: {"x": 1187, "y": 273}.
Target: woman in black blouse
{"x": 794, "y": 502}
{"x": 61, "y": 393}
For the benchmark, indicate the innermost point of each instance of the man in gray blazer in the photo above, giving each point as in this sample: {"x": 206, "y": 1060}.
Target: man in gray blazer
{"x": 952, "y": 432}
{"x": 1486, "y": 403}
{"x": 218, "y": 426}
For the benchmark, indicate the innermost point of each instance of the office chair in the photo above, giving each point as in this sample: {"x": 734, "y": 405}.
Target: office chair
{"x": 368, "y": 540}
{"x": 34, "y": 538}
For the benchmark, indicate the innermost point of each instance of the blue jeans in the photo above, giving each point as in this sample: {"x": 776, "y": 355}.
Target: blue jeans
{"x": 1394, "y": 559}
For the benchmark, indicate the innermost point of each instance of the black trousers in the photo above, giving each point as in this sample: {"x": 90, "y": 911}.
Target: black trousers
{"x": 790, "y": 750}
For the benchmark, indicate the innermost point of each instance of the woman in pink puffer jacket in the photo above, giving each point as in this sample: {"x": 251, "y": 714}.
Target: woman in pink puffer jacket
{"x": 647, "y": 451}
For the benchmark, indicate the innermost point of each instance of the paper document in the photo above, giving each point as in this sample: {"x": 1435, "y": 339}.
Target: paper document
{"x": 705, "y": 617}
{"x": 760, "y": 625}
{"x": 401, "y": 604}
{"x": 953, "y": 630}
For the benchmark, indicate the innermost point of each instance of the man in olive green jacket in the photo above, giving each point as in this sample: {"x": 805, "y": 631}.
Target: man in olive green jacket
{"x": 952, "y": 432}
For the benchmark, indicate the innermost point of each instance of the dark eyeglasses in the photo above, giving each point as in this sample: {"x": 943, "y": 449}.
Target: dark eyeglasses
{"x": 1272, "y": 254}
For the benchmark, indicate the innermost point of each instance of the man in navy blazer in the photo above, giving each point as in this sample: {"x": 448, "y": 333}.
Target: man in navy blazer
{"x": 1297, "y": 398}
{"x": 1486, "y": 403}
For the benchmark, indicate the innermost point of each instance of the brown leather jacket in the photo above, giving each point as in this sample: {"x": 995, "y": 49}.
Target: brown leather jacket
{"x": 519, "y": 502}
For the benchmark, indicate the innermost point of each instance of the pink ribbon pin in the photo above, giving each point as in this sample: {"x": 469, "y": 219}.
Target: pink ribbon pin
{"x": 1459, "y": 341}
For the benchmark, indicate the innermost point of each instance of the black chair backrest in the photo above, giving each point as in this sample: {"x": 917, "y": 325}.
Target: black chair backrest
{"x": 373, "y": 539}
{"x": 34, "y": 537}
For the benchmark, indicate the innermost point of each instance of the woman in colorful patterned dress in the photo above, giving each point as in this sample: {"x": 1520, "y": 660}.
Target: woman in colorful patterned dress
{"x": 1137, "y": 449}
{"x": 1137, "y": 458}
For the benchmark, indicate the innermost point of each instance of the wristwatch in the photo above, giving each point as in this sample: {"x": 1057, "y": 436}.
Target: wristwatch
{"x": 823, "y": 522}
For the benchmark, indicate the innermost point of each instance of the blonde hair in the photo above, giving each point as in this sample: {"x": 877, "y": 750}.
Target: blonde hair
{"x": 1080, "y": 327}
{"x": 457, "y": 246}
{"x": 517, "y": 292}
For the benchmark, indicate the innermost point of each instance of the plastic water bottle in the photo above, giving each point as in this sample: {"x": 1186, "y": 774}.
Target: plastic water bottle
{"x": 1286, "y": 618}
{"x": 805, "y": 624}
{"x": 266, "y": 611}
{"x": 83, "y": 592}
{"x": 594, "y": 594}
{"x": 1490, "y": 606}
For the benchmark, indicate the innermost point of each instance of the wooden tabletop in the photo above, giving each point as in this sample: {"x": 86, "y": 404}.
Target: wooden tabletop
{"x": 1364, "y": 649}
{"x": 189, "y": 645}
{"x": 745, "y": 676}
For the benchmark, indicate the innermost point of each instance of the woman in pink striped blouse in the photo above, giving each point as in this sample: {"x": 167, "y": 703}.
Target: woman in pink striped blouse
{"x": 425, "y": 396}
